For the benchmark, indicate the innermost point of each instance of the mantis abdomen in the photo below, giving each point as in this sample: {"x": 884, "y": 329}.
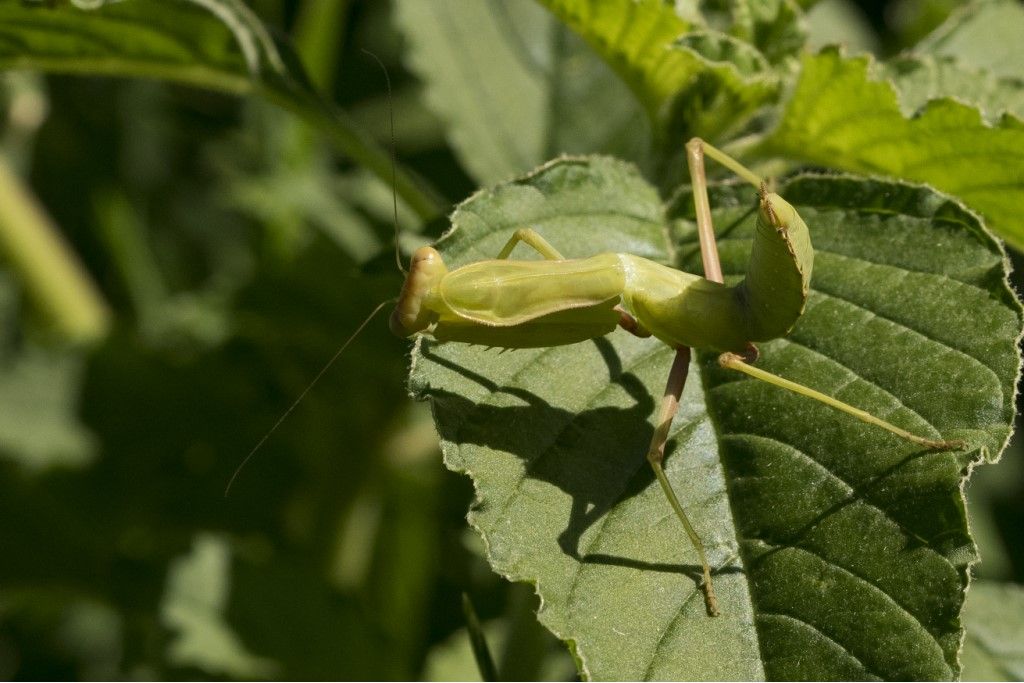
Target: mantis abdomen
{"x": 521, "y": 304}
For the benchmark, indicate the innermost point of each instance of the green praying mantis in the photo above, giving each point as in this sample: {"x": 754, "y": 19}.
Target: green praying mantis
{"x": 555, "y": 301}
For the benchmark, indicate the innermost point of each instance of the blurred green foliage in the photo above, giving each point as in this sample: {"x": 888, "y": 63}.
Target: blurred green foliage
{"x": 236, "y": 253}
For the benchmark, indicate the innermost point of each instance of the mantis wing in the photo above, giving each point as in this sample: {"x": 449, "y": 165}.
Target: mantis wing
{"x": 521, "y": 304}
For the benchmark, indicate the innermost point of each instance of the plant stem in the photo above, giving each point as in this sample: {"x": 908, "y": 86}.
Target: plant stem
{"x": 52, "y": 275}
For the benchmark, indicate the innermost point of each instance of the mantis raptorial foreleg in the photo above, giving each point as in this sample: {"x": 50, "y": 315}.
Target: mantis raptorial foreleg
{"x": 709, "y": 253}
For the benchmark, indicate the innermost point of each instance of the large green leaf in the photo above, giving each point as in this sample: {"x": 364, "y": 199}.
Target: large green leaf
{"x": 216, "y": 44}
{"x": 842, "y": 552}
{"x": 515, "y": 87}
{"x": 839, "y": 116}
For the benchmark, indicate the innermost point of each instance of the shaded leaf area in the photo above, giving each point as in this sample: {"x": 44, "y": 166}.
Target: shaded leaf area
{"x": 191, "y": 43}
{"x": 167, "y": 427}
{"x": 114, "y": 461}
{"x": 838, "y": 115}
{"x": 839, "y": 549}
{"x": 515, "y": 87}
{"x": 994, "y": 648}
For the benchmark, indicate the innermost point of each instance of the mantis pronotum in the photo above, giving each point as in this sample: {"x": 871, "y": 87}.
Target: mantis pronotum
{"x": 522, "y": 304}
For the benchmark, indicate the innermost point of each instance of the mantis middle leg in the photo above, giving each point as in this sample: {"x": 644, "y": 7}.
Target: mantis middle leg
{"x": 531, "y": 238}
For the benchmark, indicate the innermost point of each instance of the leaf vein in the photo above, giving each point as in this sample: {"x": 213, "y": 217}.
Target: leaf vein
{"x": 862, "y": 580}
{"x": 818, "y": 631}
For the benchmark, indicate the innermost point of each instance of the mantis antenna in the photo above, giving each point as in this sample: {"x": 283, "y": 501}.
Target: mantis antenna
{"x": 297, "y": 401}
{"x": 366, "y": 321}
{"x": 394, "y": 195}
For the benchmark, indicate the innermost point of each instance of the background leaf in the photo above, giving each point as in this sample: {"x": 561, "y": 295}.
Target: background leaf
{"x": 193, "y": 607}
{"x": 815, "y": 521}
{"x": 921, "y": 79}
{"x": 983, "y": 35}
{"x": 217, "y": 44}
{"x": 691, "y": 79}
{"x": 516, "y": 87}
{"x": 994, "y": 648}
{"x": 839, "y": 116}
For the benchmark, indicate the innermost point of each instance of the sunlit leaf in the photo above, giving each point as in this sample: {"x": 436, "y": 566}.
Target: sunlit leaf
{"x": 840, "y": 115}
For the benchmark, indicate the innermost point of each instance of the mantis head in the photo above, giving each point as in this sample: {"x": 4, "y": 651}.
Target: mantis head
{"x": 425, "y": 270}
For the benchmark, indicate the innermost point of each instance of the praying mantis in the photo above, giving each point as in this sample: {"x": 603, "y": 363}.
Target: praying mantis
{"x": 555, "y": 301}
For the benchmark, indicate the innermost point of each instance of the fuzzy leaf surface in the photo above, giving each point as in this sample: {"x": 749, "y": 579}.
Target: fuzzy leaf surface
{"x": 841, "y": 552}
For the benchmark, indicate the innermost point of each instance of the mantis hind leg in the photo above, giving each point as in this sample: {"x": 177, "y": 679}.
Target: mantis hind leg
{"x": 735, "y": 362}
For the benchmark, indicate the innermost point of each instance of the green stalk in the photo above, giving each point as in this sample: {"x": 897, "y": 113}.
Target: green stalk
{"x": 54, "y": 278}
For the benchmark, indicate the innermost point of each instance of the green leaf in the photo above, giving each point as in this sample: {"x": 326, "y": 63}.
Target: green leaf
{"x": 216, "y": 44}
{"x": 675, "y": 68}
{"x": 921, "y": 79}
{"x": 842, "y": 552}
{"x": 984, "y": 35}
{"x": 635, "y": 38}
{"x": 840, "y": 22}
{"x": 39, "y": 427}
{"x": 194, "y": 606}
{"x": 994, "y": 648}
{"x": 515, "y": 87}
{"x": 775, "y": 27}
{"x": 839, "y": 116}
{"x": 219, "y": 48}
